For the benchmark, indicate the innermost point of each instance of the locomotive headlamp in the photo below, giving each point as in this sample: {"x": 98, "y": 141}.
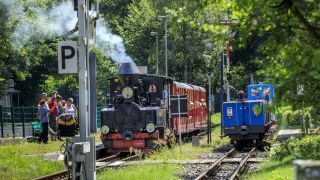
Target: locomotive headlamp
{"x": 105, "y": 129}
{"x": 127, "y": 92}
{"x": 150, "y": 127}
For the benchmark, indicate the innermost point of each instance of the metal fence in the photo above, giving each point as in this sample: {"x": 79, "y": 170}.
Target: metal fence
{"x": 16, "y": 121}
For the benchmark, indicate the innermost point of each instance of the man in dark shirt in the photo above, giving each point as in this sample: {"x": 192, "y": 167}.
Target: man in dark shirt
{"x": 43, "y": 116}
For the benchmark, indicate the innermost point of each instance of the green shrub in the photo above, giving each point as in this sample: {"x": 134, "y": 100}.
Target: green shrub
{"x": 305, "y": 148}
{"x": 289, "y": 119}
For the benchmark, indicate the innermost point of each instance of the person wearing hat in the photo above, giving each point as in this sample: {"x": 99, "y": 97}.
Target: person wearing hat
{"x": 44, "y": 120}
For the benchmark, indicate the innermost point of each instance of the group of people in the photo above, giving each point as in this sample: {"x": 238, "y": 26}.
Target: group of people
{"x": 49, "y": 109}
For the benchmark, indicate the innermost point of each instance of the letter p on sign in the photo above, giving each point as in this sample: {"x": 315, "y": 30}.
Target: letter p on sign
{"x": 67, "y": 57}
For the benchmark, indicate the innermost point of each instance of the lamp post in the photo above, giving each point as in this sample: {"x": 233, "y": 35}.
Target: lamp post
{"x": 164, "y": 18}
{"x": 156, "y": 34}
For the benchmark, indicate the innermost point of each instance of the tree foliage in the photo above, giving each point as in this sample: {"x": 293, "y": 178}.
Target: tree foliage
{"x": 276, "y": 41}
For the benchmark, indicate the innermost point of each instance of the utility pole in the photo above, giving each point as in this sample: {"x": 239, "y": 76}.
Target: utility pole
{"x": 226, "y": 22}
{"x": 166, "y": 44}
{"x": 83, "y": 148}
{"x": 210, "y": 108}
{"x": 221, "y": 92}
{"x": 156, "y": 34}
{"x": 165, "y": 41}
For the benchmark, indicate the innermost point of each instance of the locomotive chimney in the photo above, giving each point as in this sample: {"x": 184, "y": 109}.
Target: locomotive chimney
{"x": 128, "y": 71}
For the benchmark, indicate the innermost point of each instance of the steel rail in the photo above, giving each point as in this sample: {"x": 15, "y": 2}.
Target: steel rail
{"x": 242, "y": 164}
{"x": 215, "y": 165}
{"x": 107, "y": 158}
{"x": 124, "y": 159}
{"x": 57, "y": 175}
{"x": 65, "y": 174}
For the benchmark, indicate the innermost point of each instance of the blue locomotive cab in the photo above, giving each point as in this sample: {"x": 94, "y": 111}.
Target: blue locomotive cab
{"x": 261, "y": 91}
{"x": 246, "y": 119}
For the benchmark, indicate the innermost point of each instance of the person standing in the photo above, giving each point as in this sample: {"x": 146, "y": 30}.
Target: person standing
{"x": 59, "y": 105}
{"x": 43, "y": 116}
{"x": 70, "y": 108}
{"x": 53, "y": 114}
{"x": 43, "y": 97}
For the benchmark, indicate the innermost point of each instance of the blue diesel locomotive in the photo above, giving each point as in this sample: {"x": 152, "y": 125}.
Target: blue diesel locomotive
{"x": 247, "y": 120}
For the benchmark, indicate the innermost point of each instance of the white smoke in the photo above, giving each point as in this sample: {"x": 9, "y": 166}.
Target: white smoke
{"x": 58, "y": 21}
{"x": 111, "y": 44}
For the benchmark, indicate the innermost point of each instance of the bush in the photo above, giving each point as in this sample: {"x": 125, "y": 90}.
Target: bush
{"x": 305, "y": 148}
{"x": 289, "y": 119}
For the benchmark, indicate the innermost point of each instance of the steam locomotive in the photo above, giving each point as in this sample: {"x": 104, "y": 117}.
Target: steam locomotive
{"x": 140, "y": 110}
{"x": 248, "y": 120}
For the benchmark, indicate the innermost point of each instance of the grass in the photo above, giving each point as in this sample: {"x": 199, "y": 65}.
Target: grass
{"x": 150, "y": 172}
{"x": 215, "y": 118}
{"x": 276, "y": 170}
{"x": 14, "y": 165}
{"x": 189, "y": 151}
{"x": 167, "y": 171}
{"x": 33, "y": 148}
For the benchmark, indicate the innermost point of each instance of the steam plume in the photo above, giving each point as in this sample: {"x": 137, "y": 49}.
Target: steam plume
{"x": 56, "y": 22}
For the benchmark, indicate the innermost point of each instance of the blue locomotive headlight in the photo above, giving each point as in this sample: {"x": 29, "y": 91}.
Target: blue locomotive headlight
{"x": 150, "y": 127}
{"x": 105, "y": 129}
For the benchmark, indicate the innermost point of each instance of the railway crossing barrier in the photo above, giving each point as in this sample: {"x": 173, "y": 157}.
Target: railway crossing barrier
{"x": 16, "y": 121}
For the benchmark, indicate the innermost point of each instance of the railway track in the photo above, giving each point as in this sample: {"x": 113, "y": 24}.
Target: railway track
{"x": 65, "y": 175}
{"x": 219, "y": 170}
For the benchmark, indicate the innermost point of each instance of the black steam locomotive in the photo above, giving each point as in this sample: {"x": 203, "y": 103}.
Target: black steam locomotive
{"x": 138, "y": 112}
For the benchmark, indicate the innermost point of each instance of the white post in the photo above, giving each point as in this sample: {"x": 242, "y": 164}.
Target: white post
{"x": 83, "y": 73}
{"x": 87, "y": 168}
{"x": 180, "y": 141}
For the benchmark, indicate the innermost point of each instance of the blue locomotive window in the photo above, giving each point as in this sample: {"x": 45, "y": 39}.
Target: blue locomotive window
{"x": 266, "y": 91}
{"x": 254, "y": 92}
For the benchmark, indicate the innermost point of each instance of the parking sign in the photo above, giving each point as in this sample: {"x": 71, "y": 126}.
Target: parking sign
{"x": 67, "y": 57}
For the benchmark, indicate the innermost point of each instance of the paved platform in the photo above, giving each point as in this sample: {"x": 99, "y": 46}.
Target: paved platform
{"x": 53, "y": 156}
{"x": 287, "y": 133}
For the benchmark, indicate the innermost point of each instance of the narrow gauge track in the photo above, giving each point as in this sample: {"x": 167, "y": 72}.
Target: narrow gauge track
{"x": 216, "y": 171}
{"x": 65, "y": 175}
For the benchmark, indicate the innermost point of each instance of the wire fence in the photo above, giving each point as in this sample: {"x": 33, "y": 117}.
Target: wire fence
{"x": 16, "y": 121}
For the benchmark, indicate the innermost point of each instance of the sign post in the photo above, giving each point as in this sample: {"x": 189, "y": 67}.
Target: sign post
{"x": 179, "y": 108}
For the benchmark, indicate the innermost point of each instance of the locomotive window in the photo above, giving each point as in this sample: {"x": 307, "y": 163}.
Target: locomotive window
{"x": 266, "y": 91}
{"x": 152, "y": 88}
{"x": 254, "y": 92}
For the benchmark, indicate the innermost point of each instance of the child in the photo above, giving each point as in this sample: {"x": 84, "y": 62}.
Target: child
{"x": 44, "y": 120}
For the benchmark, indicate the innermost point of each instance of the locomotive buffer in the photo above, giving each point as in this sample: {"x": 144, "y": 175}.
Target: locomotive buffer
{"x": 179, "y": 108}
